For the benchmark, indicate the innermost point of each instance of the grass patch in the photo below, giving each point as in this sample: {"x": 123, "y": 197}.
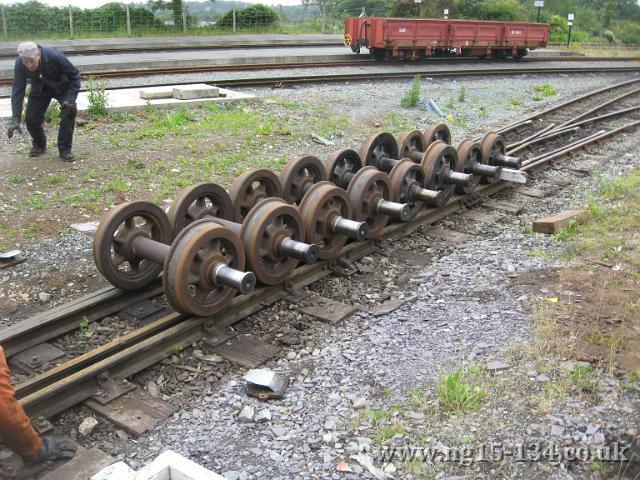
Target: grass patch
{"x": 546, "y": 90}
{"x": 515, "y": 102}
{"x": 412, "y": 96}
{"x": 459, "y": 391}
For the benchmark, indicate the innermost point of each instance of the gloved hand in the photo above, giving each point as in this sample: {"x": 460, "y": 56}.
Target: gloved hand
{"x": 71, "y": 106}
{"x": 14, "y": 126}
{"x": 55, "y": 448}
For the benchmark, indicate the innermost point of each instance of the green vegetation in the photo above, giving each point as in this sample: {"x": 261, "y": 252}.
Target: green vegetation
{"x": 462, "y": 95}
{"x": 52, "y": 115}
{"x": 98, "y": 100}
{"x": 460, "y": 391}
{"x": 584, "y": 379}
{"x": 545, "y": 89}
{"x": 254, "y": 16}
{"x": 412, "y": 97}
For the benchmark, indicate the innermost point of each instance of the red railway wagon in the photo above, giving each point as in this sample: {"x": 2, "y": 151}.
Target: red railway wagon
{"x": 414, "y": 38}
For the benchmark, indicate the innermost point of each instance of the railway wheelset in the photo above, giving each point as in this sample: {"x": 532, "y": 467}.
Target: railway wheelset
{"x": 210, "y": 243}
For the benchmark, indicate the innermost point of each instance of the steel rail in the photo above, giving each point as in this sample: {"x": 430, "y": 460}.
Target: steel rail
{"x": 76, "y": 380}
{"x": 56, "y": 322}
{"x": 243, "y": 82}
{"x": 560, "y": 106}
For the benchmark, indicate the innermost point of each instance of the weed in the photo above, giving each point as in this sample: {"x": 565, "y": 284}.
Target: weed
{"x": 52, "y": 115}
{"x": 527, "y": 229}
{"x": 462, "y": 95}
{"x": 545, "y": 89}
{"x": 515, "y": 102}
{"x": 482, "y": 109}
{"x": 53, "y": 179}
{"x": 535, "y": 252}
{"x": 567, "y": 233}
{"x": 83, "y": 330}
{"x": 412, "y": 97}
{"x": 455, "y": 394}
{"x": 584, "y": 381}
{"x": 536, "y": 98}
{"x": 98, "y": 98}
{"x": 16, "y": 179}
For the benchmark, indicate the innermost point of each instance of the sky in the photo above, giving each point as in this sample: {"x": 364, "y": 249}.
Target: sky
{"x": 97, "y": 3}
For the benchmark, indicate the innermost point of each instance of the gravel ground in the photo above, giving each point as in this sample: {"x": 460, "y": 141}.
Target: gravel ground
{"x": 466, "y": 310}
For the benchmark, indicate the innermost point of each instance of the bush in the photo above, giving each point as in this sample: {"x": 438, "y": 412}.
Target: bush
{"x": 627, "y": 32}
{"x": 505, "y": 10}
{"x": 257, "y": 15}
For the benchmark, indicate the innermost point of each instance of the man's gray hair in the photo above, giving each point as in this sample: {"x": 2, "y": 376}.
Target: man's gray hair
{"x": 27, "y": 50}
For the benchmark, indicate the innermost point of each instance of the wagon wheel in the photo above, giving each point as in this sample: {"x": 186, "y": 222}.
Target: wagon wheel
{"x": 437, "y": 132}
{"x": 251, "y": 187}
{"x": 299, "y": 175}
{"x": 469, "y": 153}
{"x": 492, "y": 145}
{"x": 113, "y": 249}
{"x": 200, "y": 201}
{"x": 412, "y": 145}
{"x": 320, "y": 205}
{"x": 341, "y": 166}
{"x": 197, "y": 251}
{"x": 366, "y": 189}
{"x": 404, "y": 177}
{"x": 271, "y": 221}
{"x": 437, "y": 161}
{"x": 378, "y": 148}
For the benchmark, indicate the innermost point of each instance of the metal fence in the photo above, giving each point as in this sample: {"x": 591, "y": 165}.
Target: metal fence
{"x": 36, "y": 21}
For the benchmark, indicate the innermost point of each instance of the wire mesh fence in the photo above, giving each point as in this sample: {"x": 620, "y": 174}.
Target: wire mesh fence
{"x": 35, "y": 21}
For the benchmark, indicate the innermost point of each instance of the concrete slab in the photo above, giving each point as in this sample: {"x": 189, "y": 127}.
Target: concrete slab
{"x": 156, "y": 94}
{"x": 198, "y": 90}
{"x": 128, "y": 100}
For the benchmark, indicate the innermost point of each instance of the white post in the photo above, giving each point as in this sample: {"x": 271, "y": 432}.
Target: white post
{"x": 70, "y": 22}
{"x": 184, "y": 17}
{"x": 234, "y": 19}
{"x": 446, "y": 13}
{"x": 4, "y": 22}
{"x": 128, "y": 20}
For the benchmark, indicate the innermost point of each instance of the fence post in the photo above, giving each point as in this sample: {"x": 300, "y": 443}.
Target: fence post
{"x": 281, "y": 20}
{"x": 234, "y": 19}
{"x": 4, "y": 22}
{"x": 70, "y": 23}
{"x": 184, "y": 17}
{"x": 128, "y": 20}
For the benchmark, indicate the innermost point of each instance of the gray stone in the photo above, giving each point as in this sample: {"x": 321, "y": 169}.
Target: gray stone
{"x": 246, "y": 415}
{"x": 87, "y": 426}
{"x": 44, "y": 297}
{"x": 557, "y": 431}
{"x": 263, "y": 416}
{"x": 497, "y": 365}
{"x": 592, "y": 428}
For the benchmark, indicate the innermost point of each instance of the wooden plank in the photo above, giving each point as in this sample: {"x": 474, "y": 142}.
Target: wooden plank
{"x": 83, "y": 465}
{"x": 505, "y": 206}
{"x": 247, "y": 350}
{"x": 328, "y": 310}
{"x": 390, "y": 305}
{"x": 559, "y": 221}
{"x": 414, "y": 258}
{"x": 136, "y": 412}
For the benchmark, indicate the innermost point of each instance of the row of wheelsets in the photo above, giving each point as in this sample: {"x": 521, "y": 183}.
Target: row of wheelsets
{"x": 211, "y": 243}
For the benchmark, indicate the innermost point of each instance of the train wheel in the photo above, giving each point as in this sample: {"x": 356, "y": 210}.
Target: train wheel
{"x": 200, "y": 201}
{"x": 438, "y": 160}
{"x": 433, "y": 133}
{"x": 469, "y": 153}
{"x": 299, "y": 174}
{"x": 341, "y": 166}
{"x": 252, "y": 187}
{"x": 366, "y": 189}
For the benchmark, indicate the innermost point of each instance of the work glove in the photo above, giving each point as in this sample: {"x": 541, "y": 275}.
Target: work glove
{"x": 71, "y": 106}
{"x": 14, "y": 126}
{"x": 55, "y": 448}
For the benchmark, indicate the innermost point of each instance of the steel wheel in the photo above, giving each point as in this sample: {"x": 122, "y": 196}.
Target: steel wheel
{"x": 433, "y": 133}
{"x": 469, "y": 152}
{"x": 269, "y": 222}
{"x": 200, "y": 201}
{"x": 366, "y": 189}
{"x": 403, "y": 177}
{"x": 437, "y": 160}
{"x": 299, "y": 174}
{"x": 411, "y": 145}
{"x": 323, "y": 202}
{"x": 187, "y": 273}
{"x": 341, "y": 166}
{"x": 378, "y": 147}
{"x": 250, "y": 188}
{"x": 492, "y": 145}
{"x": 113, "y": 243}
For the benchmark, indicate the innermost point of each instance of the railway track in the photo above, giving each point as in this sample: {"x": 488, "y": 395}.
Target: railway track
{"x": 54, "y": 390}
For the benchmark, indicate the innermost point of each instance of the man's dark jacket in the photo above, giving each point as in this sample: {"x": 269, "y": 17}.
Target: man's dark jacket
{"x": 55, "y": 76}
